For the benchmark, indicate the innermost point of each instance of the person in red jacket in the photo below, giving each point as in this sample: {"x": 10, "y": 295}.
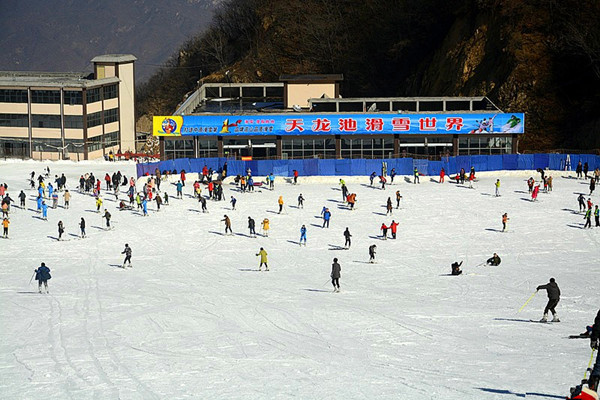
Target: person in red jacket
{"x": 183, "y": 177}
{"x": 393, "y": 227}
{"x": 295, "y": 177}
{"x": 211, "y": 186}
{"x": 535, "y": 192}
{"x": 98, "y": 185}
{"x": 204, "y": 172}
{"x": 442, "y": 175}
{"x": 108, "y": 181}
{"x": 384, "y": 228}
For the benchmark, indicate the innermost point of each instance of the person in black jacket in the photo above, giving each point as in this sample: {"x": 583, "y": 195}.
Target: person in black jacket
{"x": 594, "y": 338}
{"x": 456, "y": 268}
{"x": 251, "y": 226}
{"x": 347, "y": 235}
{"x": 494, "y": 261}
{"x": 335, "y": 275}
{"x": 553, "y": 299}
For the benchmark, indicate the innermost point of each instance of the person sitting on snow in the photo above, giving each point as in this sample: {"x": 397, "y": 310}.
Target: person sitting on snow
{"x": 494, "y": 261}
{"x": 456, "y": 268}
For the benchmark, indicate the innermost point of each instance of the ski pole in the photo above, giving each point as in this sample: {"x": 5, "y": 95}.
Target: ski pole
{"x": 528, "y": 300}
{"x": 31, "y": 278}
{"x": 589, "y": 365}
{"x": 327, "y": 281}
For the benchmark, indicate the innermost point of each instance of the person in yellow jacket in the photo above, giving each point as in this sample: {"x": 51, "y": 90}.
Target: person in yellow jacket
{"x": 280, "y": 202}
{"x": 98, "y": 204}
{"x": 67, "y": 197}
{"x": 265, "y": 226}
{"x": 263, "y": 259}
{"x": 6, "y": 222}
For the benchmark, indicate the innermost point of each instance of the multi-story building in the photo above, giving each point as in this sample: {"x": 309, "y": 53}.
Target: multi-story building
{"x": 81, "y": 116}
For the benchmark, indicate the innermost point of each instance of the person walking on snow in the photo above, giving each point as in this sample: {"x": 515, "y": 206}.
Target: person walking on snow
{"x": 107, "y": 216}
{"x": 265, "y": 226}
{"x": 61, "y": 229}
{"x": 67, "y": 197}
{"x": 530, "y": 183}
{"x": 592, "y": 186}
{"x": 398, "y": 197}
{"x": 98, "y": 204}
{"x": 145, "y": 207}
{"x": 179, "y": 187}
{"x": 336, "y": 270}
{"x": 393, "y": 228}
{"x": 280, "y": 202}
{"x": 302, "y": 235}
{"x": 127, "y": 252}
{"x": 251, "y": 226}
{"x": 82, "y": 227}
{"x": 504, "y": 221}
{"x": 442, "y": 175}
{"x": 202, "y": 201}
{"x": 553, "y": 299}
{"x": 497, "y": 184}
{"x": 384, "y": 229}
{"x": 535, "y": 192}
{"x": 389, "y": 206}
{"x": 416, "y": 176}
{"x": 227, "y": 224}
{"x": 5, "y": 223}
{"x": 300, "y": 201}
{"x": 372, "y": 249}
{"x": 326, "y": 217}
{"x": 263, "y": 259}
{"x": 22, "y": 197}
{"x": 233, "y": 201}
{"x": 581, "y": 201}
{"x": 42, "y": 275}
{"x": 347, "y": 235}
{"x": 588, "y": 218}
{"x": 44, "y": 211}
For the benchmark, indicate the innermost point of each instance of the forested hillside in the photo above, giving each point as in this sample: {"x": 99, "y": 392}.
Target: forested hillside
{"x": 541, "y": 57}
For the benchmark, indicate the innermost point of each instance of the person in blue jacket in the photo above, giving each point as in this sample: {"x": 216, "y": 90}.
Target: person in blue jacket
{"x": 179, "y": 189}
{"x": 44, "y": 210}
{"x": 250, "y": 184}
{"x": 302, "y": 235}
{"x": 271, "y": 181}
{"x": 40, "y": 199}
{"x": 42, "y": 275}
{"x": 145, "y": 206}
{"x": 373, "y": 175}
{"x": 326, "y": 217}
{"x": 50, "y": 190}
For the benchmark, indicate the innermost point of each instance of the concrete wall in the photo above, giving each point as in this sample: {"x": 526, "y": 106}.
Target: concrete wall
{"x": 299, "y": 93}
{"x": 127, "y": 106}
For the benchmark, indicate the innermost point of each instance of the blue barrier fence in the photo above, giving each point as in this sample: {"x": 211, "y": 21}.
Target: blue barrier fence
{"x": 347, "y": 167}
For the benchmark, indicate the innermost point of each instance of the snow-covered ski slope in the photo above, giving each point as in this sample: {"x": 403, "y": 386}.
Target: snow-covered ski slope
{"x": 194, "y": 318}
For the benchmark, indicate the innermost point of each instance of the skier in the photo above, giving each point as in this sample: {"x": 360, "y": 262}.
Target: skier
{"x": 494, "y": 261}
{"x": 456, "y": 268}
{"x": 392, "y": 175}
{"x": 22, "y": 197}
{"x": 416, "y": 176}
{"x": 5, "y": 223}
{"x": 326, "y": 217}
{"x": 233, "y": 201}
{"x": 373, "y": 175}
{"x": 251, "y": 226}
{"x": 227, "y": 224}
{"x": 44, "y": 211}
{"x": 505, "y": 220}
{"x": 530, "y": 183}
{"x": 202, "y": 201}
{"x": 82, "y": 227}
{"x": 295, "y": 177}
{"x": 471, "y": 179}
{"x": 166, "y": 199}
{"x": 592, "y": 186}
{"x": 581, "y": 201}
{"x": 42, "y": 275}
{"x": 384, "y": 228}
{"x": 344, "y": 189}
{"x": 351, "y": 199}
{"x": 497, "y": 187}
{"x": 127, "y": 252}
{"x": 302, "y": 235}
{"x": 145, "y": 207}
{"x": 67, "y": 197}
{"x": 107, "y": 216}
{"x": 61, "y": 229}
{"x": 271, "y": 181}
{"x": 372, "y": 249}
{"x": 158, "y": 202}
{"x": 98, "y": 204}
{"x": 336, "y": 270}
{"x": 382, "y": 180}
{"x": 535, "y": 192}
{"x": 182, "y": 176}
{"x": 597, "y": 216}
{"x": 39, "y": 201}
{"x": 442, "y": 175}
{"x": 393, "y": 228}
{"x": 586, "y": 169}
{"x": 389, "y": 206}
{"x": 263, "y": 259}
{"x": 265, "y": 227}
{"x": 588, "y": 218}
{"x": 398, "y": 197}
{"x": 553, "y": 299}
{"x": 280, "y": 202}
{"x": 54, "y": 200}
{"x": 347, "y": 235}
{"x": 179, "y": 186}
{"x": 300, "y": 201}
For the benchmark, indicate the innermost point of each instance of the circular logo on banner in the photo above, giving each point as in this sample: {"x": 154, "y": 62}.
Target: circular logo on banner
{"x": 169, "y": 125}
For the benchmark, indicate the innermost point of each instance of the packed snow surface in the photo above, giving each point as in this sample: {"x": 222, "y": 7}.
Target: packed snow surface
{"x": 194, "y": 318}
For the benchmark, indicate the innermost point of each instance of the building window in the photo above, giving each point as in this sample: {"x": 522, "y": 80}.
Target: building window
{"x": 73, "y": 122}
{"x": 53, "y": 145}
{"x": 110, "y": 92}
{"x": 92, "y": 95}
{"x": 368, "y": 148}
{"x": 14, "y": 147}
{"x": 111, "y": 139}
{"x": 94, "y": 119}
{"x": 45, "y": 96}
{"x": 45, "y": 121}
{"x": 14, "y": 120}
{"x": 111, "y": 115}
{"x": 180, "y": 148}
{"x": 308, "y": 148}
{"x": 207, "y": 148}
{"x": 13, "y": 96}
{"x": 95, "y": 143}
{"x": 73, "y": 97}
{"x": 476, "y": 145}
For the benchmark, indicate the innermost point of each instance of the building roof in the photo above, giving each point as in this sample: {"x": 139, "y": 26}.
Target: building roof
{"x": 114, "y": 58}
{"x": 312, "y": 78}
{"x": 24, "y": 79}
